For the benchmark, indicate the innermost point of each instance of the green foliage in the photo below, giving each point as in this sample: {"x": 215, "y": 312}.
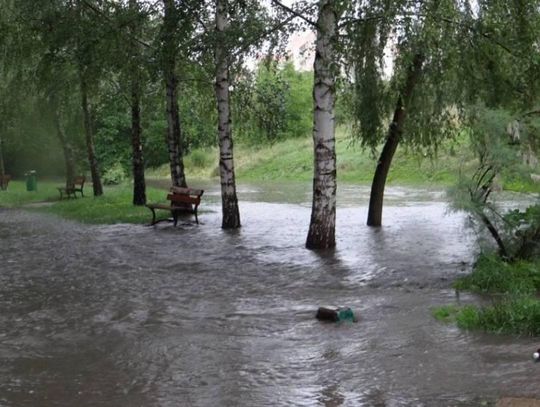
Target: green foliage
{"x": 16, "y": 195}
{"x": 445, "y": 313}
{"x": 114, "y": 174}
{"x": 200, "y": 158}
{"x": 516, "y": 311}
{"x": 111, "y": 208}
{"x": 498, "y": 158}
{"x": 112, "y": 138}
{"x": 511, "y": 316}
{"x": 493, "y": 275}
{"x": 273, "y": 105}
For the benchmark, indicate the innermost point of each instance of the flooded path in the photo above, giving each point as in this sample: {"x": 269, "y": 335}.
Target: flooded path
{"x": 129, "y": 315}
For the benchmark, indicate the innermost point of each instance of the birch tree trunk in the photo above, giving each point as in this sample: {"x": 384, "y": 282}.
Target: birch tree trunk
{"x": 137, "y": 158}
{"x": 89, "y": 136}
{"x": 322, "y": 227}
{"x": 229, "y": 200}
{"x": 394, "y": 135}
{"x": 174, "y": 134}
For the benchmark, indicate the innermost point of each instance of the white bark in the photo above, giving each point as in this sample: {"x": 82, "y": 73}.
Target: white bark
{"x": 231, "y": 215}
{"x": 323, "y": 213}
{"x": 174, "y": 131}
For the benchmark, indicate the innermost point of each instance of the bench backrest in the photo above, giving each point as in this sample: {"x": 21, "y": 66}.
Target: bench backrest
{"x": 181, "y": 198}
{"x": 187, "y": 191}
{"x": 79, "y": 180}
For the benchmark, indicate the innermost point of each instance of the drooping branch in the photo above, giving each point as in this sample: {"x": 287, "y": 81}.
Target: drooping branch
{"x": 295, "y": 13}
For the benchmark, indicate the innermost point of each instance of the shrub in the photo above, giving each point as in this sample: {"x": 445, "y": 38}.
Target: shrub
{"x": 513, "y": 315}
{"x": 114, "y": 175}
{"x": 199, "y": 158}
{"x": 493, "y": 275}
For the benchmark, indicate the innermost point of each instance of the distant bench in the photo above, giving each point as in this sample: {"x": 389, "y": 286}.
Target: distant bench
{"x": 71, "y": 190}
{"x": 183, "y": 200}
{"x": 4, "y": 181}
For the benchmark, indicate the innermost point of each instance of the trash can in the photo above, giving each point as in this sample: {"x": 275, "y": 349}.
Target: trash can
{"x": 31, "y": 181}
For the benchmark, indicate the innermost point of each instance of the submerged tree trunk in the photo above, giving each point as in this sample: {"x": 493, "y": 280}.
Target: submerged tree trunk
{"x": 389, "y": 149}
{"x": 322, "y": 226}
{"x": 69, "y": 160}
{"x": 496, "y": 236}
{"x": 174, "y": 134}
{"x": 89, "y": 136}
{"x": 137, "y": 159}
{"x": 229, "y": 200}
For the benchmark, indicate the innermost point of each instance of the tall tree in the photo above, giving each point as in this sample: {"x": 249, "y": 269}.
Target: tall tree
{"x": 395, "y": 132}
{"x": 321, "y": 233}
{"x": 87, "y": 40}
{"x": 231, "y": 213}
{"x": 137, "y": 158}
{"x": 169, "y": 61}
{"x": 424, "y": 86}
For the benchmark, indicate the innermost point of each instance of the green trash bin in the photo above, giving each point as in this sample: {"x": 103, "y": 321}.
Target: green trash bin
{"x": 31, "y": 181}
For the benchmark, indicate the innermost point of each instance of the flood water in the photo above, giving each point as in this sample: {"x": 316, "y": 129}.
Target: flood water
{"x": 128, "y": 315}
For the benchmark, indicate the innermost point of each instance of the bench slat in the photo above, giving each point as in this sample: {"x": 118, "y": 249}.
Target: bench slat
{"x": 184, "y": 199}
{"x": 187, "y": 191}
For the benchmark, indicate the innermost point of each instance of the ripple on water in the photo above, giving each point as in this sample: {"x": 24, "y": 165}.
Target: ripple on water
{"x": 127, "y": 315}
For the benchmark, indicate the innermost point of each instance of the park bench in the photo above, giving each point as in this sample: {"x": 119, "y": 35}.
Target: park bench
{"x": 4, "y": 181}
{"x": 183, "y": 200}
{"x": 71, "y": 190}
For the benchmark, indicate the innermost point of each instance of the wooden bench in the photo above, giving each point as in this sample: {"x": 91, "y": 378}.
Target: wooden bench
{"x": 72, "y": 189}
{"x": 4, "y": 181}
{"x": 183, "y": 200}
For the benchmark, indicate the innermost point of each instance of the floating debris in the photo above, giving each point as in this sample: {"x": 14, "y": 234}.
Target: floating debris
{"x": 335, "y": 314}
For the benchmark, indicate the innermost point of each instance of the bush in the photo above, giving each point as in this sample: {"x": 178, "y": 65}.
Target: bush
{"x": 510, "y": 316}
{"x": 114, "y": 175}
{"x": 199, "y": 158}
{"x": 493, "y": 275}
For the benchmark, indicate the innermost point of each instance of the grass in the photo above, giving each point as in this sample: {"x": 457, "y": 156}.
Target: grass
{"x": 17, "y": 195}
{"x": 445, "y": 313}
{"x": 491, "y": 275}
{"x": 511, "y": 316}
{"x": 515, "y": 311}
{"x": 113, "y": 207}
{"x": 292, "y": 160}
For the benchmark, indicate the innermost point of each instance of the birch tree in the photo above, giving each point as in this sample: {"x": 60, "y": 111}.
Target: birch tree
{"x": 231, "y": 213}
{"x": 87, "y": 63}
{"x": 169, "y": 54}
{"x": 322, "y": 226}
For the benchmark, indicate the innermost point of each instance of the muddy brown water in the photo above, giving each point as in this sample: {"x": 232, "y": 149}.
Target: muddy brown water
{"x": 128, "y": 315}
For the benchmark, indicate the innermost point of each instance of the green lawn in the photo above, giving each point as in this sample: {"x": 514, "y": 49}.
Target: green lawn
{"x": 17, "y": 195}
{"x": 292, "y": 160}
{"x": 113, "y": 207}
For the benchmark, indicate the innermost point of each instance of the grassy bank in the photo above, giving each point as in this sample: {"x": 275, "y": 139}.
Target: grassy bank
{"x": 513, "y": 287}
{"x": 293, "y": 160}
{"x": 113, "y": 207}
